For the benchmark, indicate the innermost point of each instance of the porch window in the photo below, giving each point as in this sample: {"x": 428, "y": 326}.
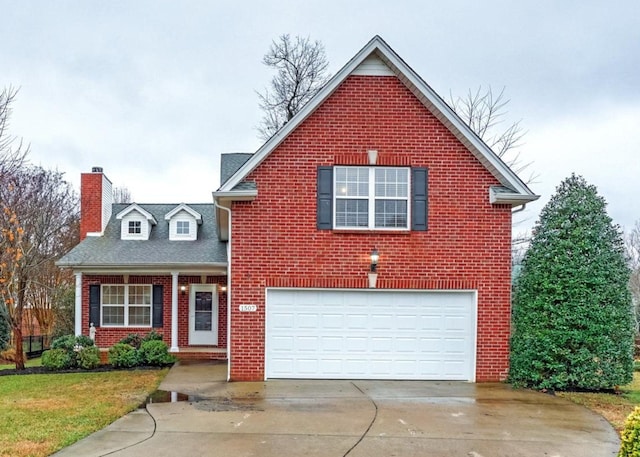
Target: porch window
{"x": 126, "y": 305}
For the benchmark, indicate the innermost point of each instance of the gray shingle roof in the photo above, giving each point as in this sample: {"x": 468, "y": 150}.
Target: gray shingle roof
{"x": 110, "y": 251}
{"x": 230, "y": 163}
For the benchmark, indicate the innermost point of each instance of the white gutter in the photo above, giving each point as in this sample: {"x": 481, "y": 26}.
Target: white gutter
{"x": 228, "y": 210}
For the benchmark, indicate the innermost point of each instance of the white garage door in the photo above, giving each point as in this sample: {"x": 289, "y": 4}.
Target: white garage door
{"x": 370, "y": 334}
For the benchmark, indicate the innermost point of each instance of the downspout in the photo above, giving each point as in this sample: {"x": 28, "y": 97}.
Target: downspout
{"x": 228, "y": 210}
{"x": 522, "y": 208}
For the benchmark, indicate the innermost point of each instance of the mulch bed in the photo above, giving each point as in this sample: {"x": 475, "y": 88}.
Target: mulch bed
{"x": 100, "y": 369}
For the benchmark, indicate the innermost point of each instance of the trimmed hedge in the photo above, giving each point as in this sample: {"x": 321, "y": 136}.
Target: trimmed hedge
{"x": 70, "y": 351}
{"x": 123, "y": 355}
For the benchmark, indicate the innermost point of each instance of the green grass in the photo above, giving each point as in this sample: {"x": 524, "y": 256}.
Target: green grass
{"x": 613, "y": 407}
{"x": 29, "y": 363}
{"x": 40, "y": 414}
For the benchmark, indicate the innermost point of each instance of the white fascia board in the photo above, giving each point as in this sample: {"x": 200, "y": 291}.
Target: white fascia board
{"x": 183, "y": 207}
{"x": 420, "y": 89}
{"x": 243, "y": 195}
{"x": 142, "y": 269}
{"x": 509, "y": 198}
{"x": 135, "y": 207}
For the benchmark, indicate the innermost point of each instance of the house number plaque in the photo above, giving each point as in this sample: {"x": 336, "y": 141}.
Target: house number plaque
{"x": 248, "y": 308}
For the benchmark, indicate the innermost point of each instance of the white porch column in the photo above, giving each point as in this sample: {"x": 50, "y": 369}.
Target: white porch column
{"x": 174, "y": 311}
{"x": 78, "y": 304}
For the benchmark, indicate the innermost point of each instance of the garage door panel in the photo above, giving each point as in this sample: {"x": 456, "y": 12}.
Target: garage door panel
{"x": 370, "y": 334}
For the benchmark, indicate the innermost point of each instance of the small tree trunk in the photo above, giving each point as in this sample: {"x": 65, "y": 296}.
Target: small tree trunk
{"x": 17, "y": 335}
{"x": 17, "y": 326}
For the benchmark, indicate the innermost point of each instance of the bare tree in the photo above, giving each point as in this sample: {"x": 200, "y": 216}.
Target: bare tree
{"x": 301, "y": 67}
{"x": 484, "y": 113}
{"x": 122, "y": 195}
{"x": 38, "y": 209}
{"x": 12, "y": 151}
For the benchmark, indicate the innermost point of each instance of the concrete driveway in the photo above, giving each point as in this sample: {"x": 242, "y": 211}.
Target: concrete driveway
{"x": 345, "y": 418}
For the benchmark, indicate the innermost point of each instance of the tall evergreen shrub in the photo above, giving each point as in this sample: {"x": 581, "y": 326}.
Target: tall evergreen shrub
{"x": 572, "y": 313}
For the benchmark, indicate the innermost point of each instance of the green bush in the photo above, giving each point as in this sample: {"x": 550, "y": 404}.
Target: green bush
{"x": 88, "y": 357}
{"x": 572, "y": 314}
{"x": 66, "y": 342}
{"x": 154, "y": 352}
{"x": 132, "y": 339}
{"x": 57, "y": 359}
{"x": 630, "y": 437}
{"x": 123, "y": 355}
{"x": 84, "y": 341}
{"x": 152, "y": 336}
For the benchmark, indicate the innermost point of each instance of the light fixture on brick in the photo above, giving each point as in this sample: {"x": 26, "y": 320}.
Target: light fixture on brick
{"x": 183, "y": 289}
{"x": 373, "y": 271}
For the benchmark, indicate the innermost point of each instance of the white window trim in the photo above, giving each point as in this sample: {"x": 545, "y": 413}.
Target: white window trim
{"x": 372, "y": 200}
{"x": 181, "y": 235}
{"x": 129, "y": 224}
{"x": 126, "y": 306}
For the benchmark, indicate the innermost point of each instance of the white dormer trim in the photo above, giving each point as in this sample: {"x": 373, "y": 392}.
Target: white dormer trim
{"x": 183, "y": 223}
{"x": 139, "y": 219}
{"x": 184, "y": 207}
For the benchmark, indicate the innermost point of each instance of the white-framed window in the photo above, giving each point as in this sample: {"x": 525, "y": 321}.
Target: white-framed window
{"x": 183, "y": 228}
{"x": 126, "y": 305}
{"x": 135, "y": 227}
{"x": 371, "y": 198}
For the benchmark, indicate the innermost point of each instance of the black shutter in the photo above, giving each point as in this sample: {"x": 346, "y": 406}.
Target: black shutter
{"x": 419, "y": 209}
{"x": 94, "y": 304}
{"x": 325, "y": 198}
{"x": 158, "y": 305}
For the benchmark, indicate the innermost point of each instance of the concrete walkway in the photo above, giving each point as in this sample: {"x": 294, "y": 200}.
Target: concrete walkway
{"x": 344, "y": 418}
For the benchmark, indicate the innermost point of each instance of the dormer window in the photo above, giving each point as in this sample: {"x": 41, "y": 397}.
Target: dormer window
{"x": 136, "y": 223}
{"x": 183, "y": 223}
{"x": 135, "y": 227}
{"x": 182, "y": 227}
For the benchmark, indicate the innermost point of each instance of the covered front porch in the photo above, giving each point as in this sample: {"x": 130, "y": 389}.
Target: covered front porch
{"x": 188, "y": 307}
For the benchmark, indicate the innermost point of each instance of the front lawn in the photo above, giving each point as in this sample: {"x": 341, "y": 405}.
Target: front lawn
{"x": 614, "y": 407}
{"x": 28, "y": 363}
{"x": 40, "y": 414}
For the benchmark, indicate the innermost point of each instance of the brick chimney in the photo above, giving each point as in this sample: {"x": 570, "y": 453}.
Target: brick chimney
{"x": 96, "y": 198}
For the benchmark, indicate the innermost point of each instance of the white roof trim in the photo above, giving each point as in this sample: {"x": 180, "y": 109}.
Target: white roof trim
{"x": 498, "y": 196}
{"x": 183, "y": 207}
{"x": 432, "y": 101}
{"x": 135, "y": 207}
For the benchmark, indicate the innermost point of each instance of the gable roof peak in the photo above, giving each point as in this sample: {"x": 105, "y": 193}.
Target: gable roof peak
{"x": 184, "y": 207}
{"x": 135, "y": 207}
{"x": 422, "y": 91}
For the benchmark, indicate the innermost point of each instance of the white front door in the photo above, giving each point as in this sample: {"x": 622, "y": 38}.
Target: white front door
{"x": 203, "y": 314}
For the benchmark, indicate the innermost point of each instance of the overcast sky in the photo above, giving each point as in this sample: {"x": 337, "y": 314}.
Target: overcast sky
{"x": 154, "y": 91}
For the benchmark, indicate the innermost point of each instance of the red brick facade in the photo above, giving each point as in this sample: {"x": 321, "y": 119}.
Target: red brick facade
{"x": 107, "y": 336}
{"x": 466, "y": 246}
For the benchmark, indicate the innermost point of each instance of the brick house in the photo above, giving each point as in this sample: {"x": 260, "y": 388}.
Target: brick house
{"x": 368, "y": 238}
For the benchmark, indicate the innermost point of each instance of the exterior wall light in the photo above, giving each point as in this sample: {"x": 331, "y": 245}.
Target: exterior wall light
{"x": 374, "y": 260}
{"x": 223, "y": 289}
{"x": 183, "y": 289}
{"x": 373, "y": 272}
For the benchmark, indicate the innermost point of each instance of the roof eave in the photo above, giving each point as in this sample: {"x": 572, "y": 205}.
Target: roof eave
{"x": 213, "y": 267}
{"x": 242, "y": 195}
{"x": 510, "y": 198}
